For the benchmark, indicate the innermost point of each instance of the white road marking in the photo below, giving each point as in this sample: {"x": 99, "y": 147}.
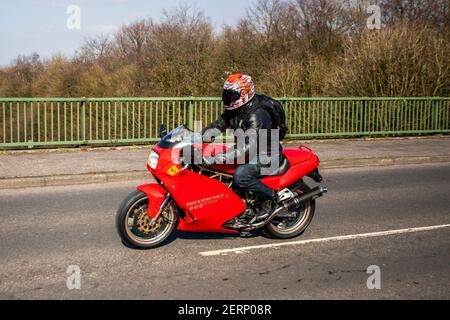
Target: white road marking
{"x": 340, "y": 238}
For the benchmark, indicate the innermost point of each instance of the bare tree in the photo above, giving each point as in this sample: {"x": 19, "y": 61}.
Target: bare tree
{"x": 432, "y": 12}
{"x": 132, "y": 39}
{"x": 290, "y": 47}
{"x": 404, "y": 60}
{"x": 97, "y": 48}
{"x": 180, "y": 54}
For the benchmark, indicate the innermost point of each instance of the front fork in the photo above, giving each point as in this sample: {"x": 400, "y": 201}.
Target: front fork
{"x": 161, "y": 208}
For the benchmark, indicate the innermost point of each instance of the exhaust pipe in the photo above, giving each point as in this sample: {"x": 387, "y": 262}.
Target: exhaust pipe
{"x": 289, "y": 205}
{"x": 297, "y": 202}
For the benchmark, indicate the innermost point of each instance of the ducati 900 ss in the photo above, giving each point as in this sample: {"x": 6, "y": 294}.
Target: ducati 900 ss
{"x": 196, "y": 198}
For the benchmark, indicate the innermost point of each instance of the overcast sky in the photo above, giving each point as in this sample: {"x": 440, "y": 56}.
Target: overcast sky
{"x": 28, "y": 26}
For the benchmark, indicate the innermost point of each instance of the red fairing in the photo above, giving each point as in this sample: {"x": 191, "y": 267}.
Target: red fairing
{"x": 156, "y": 195}
{"x": 208, "y": 203}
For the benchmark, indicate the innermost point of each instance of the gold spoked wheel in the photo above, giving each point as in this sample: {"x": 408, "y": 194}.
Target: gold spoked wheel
{"x": 137, "y": 229}
{"x": 144, "y": 224}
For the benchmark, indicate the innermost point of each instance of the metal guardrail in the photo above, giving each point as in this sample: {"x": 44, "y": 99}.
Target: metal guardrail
{"x": 50, "y": 122}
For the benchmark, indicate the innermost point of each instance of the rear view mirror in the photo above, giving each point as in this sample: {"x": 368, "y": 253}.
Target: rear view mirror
{"x": 162, "y": 131}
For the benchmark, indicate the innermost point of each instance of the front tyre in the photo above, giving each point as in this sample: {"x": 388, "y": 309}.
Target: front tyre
{"x": 137, "y": 230}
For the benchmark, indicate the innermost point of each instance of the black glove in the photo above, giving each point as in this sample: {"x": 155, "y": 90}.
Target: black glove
{"x": 208, "y": 161}
{"x": 220, "y": 158}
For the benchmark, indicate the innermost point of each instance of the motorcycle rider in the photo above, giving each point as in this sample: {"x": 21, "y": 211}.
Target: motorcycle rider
{"x": 244, "y": 110}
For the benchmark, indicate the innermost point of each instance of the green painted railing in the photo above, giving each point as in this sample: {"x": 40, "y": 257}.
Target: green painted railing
{"x": 49, "y": 122}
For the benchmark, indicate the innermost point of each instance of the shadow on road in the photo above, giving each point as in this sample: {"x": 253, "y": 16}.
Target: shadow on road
{"x": 210, "y": 236}
{"x": 183, "y": 235}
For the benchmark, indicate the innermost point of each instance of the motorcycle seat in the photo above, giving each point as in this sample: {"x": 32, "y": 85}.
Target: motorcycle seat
{"x": 283, "y": 168}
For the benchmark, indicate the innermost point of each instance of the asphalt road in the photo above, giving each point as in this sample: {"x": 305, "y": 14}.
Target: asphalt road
{"x": 44, "y": 231}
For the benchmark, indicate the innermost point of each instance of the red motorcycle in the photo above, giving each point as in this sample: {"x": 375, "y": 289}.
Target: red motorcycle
{"x": 198, "y": 198}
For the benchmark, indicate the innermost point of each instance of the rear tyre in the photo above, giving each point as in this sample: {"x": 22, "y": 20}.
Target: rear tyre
{"x": 137, "y": 230}
{"x": 288, "y": 228}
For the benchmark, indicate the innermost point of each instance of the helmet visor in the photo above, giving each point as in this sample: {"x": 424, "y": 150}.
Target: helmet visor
{"x": 230, "y": 96}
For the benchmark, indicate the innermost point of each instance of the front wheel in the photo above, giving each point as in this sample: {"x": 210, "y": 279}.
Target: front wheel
{"x": 288, "y": 228}
{"x": 137, "y": 229}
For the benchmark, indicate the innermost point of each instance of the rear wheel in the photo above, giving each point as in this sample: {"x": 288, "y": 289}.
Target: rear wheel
{"x": 137, "y": 229}
{"x": 288, "y": 228}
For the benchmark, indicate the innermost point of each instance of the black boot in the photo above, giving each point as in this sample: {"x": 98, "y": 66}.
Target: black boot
{"x": 268, "y": 206}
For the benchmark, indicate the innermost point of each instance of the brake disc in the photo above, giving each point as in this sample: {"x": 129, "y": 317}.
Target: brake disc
{"x": 144, "y": 224}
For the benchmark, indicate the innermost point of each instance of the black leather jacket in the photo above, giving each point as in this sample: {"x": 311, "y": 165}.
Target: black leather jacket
{"x": 250, "y": 116}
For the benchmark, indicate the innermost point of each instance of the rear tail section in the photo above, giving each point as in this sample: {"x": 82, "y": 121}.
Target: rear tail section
{"x": 303, "y": 163}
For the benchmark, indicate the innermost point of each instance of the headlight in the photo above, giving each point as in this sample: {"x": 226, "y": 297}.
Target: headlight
{"x": 153, "y": 160}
